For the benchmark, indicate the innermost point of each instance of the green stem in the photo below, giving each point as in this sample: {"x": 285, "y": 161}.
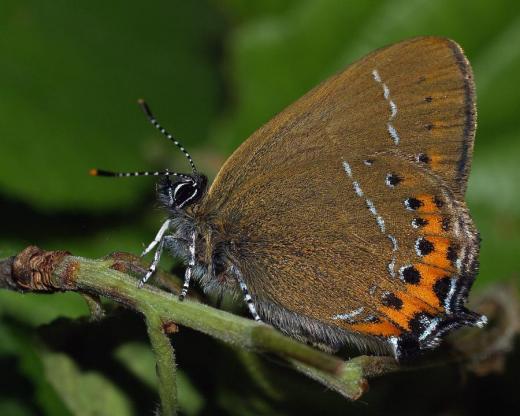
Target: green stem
{"x": 165, "y": 361}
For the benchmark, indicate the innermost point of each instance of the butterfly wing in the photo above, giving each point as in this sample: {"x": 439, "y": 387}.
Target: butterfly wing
{"x": 346, "y": 212}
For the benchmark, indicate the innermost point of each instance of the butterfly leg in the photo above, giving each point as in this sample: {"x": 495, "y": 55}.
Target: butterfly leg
{"x": 247, "y": 296}
{"x": 191, "y": 263}
{"x": 158, "y": 237}
{"x": 155, "y": 262}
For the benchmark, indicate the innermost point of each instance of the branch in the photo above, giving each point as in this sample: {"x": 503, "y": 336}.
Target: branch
{"x": 50, "y": 271}
{"x": 40, "y": 271}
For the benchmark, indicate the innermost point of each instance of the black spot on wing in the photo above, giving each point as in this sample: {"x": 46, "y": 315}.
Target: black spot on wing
{"x": 392, "y": 301}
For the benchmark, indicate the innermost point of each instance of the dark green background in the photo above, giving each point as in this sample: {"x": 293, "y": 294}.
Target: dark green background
{"x": 213, "y": 71}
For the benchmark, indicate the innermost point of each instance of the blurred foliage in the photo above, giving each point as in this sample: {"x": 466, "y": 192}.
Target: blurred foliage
{"x": 213, "y": 71}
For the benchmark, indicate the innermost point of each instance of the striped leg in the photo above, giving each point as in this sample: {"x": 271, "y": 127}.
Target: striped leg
{"x": 247, "y": 297}
{"x": 187, "y": 273}
{"x": 153, "y": 266}
{"x": 158, "y": 238}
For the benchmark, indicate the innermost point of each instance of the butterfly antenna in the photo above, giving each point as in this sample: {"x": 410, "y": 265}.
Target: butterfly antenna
{"x": 100, "y": 172}
{"x": 154, "y": 122}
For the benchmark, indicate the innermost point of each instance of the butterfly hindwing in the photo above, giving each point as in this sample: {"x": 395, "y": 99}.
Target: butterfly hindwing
{"x": 346, "y": 210}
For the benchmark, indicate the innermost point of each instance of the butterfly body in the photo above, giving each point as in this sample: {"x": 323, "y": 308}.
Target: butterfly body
{"x": 342, "y": 220}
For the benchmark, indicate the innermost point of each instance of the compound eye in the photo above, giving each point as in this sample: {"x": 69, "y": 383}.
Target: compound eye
{"x": 184, "y": 193}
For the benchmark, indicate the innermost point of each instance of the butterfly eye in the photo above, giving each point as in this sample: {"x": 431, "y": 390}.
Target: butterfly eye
{"x": 181, "y": 193}
{"x": 184, "y": 193}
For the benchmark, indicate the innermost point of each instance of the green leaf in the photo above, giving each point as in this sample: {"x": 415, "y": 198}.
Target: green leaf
{"x": 36, "y": 309}
{"x": 85, "y": 393}
{"x": 16, "y": 342}
{"x": 494, "y": 202}
{"x": 139, "y": 359}
{"x": 14, "y": 408}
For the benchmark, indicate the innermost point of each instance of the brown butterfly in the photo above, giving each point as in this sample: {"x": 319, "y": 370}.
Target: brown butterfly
{"x": 342, "y": 220}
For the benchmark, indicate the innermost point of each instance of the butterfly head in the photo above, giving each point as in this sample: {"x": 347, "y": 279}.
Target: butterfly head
{"x": 182, "y": 192}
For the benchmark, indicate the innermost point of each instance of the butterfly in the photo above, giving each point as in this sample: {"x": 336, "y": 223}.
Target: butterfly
{"x": 342, "y": 220}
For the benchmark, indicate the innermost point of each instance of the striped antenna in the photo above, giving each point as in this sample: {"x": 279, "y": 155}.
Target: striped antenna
{"x": 100, "y": 172}
{"x": 154, "y": 122}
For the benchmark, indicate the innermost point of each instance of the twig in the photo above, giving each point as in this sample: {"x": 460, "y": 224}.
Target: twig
{"x": 37, "y": 270}
{"x": 165, "y": 360}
